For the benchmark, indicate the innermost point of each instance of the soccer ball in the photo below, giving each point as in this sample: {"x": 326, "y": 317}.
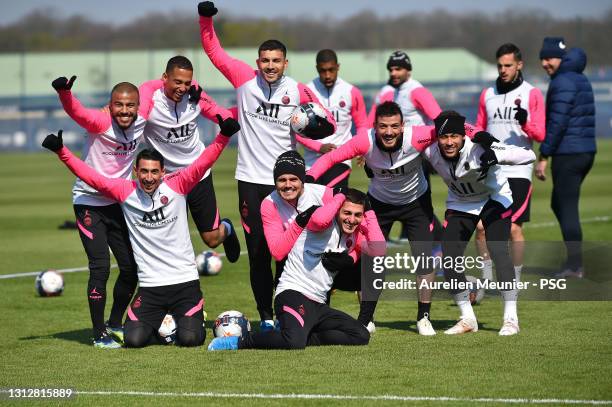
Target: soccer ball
{"x": 231, "y": 323}
{"x": 476, "y": 294}
{"x": 167, "y": 330}
{"x": 208, "y": 263}
{"x": 49, "y": 283}
{"x": 304, "y": 116}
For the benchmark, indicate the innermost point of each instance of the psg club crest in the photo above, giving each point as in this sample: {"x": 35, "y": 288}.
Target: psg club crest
{"x": 87, "y": 218}
{"x": 285, "y": 100}
{"x": 342, "y": 103}
{"x": 137, "y": 303}
{"x": 244, "y": 210}
{"x": 164, "y": 200}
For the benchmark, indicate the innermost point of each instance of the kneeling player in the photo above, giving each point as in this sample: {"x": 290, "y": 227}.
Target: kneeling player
{"x": 341, "y": 225}
{"x": 477, "y": 190}
{"x": 154, "y": 209}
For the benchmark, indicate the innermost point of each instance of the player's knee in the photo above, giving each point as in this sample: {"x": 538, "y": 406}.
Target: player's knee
{"x": 516, "y": 232}
{"x": 137, "y": 334}
{"x": 190, "y": 332}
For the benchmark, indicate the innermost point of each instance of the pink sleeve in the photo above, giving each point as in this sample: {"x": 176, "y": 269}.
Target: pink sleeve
{"x": 93, "y": 120}
{"x": 307, "y": 95}
{"x": 309, "y": 143}
{"x": 370, "y": 238}
{"x": 358, "y": 111}
{"x": 280, "y": 241}
{"x": 183, "y": 181}
{"x": 323, "y": 217}
{"x": 471, "y": 130}
{"x": 423, "y": 100}
{"x": 423, "y": 137}
{"x": 328, "y": 195}
{"x": 481, "y": 119}
{"x": 146, "y": 91}
{"x": 210, "y": 109}
{"x": 117, "y": 189}
{"x": 236, "y": 71}
{"x": 536, "y": 126}
{"x": 358, "y": 145}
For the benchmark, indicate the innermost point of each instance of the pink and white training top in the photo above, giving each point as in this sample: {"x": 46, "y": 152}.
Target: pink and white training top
{"x": 345, "y": 102}
{"x": 417, "y": 103}
{"x": 109, "y": 149}
{"x": 496, "y": 115}
{"x": 303, "y": 271}
{"x": 278, "y": 217}
{"x": 157, "y": 223}
{"x": 172, "y": 127}
{"x": 263, "y": 110}
{"x": 468, "y": 189}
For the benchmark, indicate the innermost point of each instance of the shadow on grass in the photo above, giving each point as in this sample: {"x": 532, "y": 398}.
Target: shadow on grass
{"x": 82, "y": 336}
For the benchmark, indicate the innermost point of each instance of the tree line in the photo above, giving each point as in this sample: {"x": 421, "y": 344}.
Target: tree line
{"x": 43, "y": 30}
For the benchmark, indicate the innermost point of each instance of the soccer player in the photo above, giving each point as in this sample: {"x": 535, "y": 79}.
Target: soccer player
{"x": 477, "y": 191}
{"x": 346, "y": 104}
{"x": 172, "y": 106}
{"x": 285, "y": 213}
{"x": 398, "y": 189}
{"x": 266, "y": 99}
{"x": 112, "y": 141}
{"x": 342, "y": 225}
{"x": 512, "y": 111}
{"x": 418, "y": 105}
{"x": 154, "y": 210}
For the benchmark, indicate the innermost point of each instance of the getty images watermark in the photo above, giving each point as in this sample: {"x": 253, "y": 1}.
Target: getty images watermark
{"x": 392, "y": 276}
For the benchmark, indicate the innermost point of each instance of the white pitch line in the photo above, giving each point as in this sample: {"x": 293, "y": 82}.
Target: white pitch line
{"x": 596, "y": 219}
{"x": 382, "y": 397}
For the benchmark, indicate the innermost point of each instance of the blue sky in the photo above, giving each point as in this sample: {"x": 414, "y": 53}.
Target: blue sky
{"x": 122, "y": 11}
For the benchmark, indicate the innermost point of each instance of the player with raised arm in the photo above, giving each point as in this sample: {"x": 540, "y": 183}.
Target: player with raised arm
{"x": 266, "y": 99}
{"x": 342, "y": 227}
{"x": 285, "y": 213}
{"x": 154, "y": 209}
{"x": 172, "y": 106}
{"x": 112, "y": 141}
{"x": 398, "y": 189}
{"x": 477, "y": 191}
{"x": 346, "y": 104}
{"x": 513, "y": 112}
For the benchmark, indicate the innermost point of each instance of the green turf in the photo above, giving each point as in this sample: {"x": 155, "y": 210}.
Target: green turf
{"x": 563, "y": 350}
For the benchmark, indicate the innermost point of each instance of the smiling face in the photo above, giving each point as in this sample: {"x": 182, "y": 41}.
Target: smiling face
{"x": 124, "y": 107}
{"x": 289, "y": 187}
{"x": 508, "y": 67}
{"x": 388, "y": 130}
{"x": 450, "y": 144}
{"x": 398, "y": 75}
{"x": 272, "y": 64}
{"x": 177, "y": 83}
{"x": 149, "y": 174}
{"x": 551, "y": 65}
{"x": 350, "y": 216}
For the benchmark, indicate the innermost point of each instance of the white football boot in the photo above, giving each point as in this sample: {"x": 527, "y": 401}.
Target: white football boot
{"x": 424, "y": 327}
{"x": 463, "y": 326}
{"x": 509, "y": 328}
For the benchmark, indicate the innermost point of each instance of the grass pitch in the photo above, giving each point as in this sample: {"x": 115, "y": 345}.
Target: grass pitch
{"x": 563, "y": 351}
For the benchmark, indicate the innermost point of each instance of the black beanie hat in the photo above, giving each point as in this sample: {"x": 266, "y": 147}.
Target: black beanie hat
{"x": 552, "y": 47}
{"x": 449, "y": 123}
{"x": 290, "y": 162}
{"x": 400, "y": 59}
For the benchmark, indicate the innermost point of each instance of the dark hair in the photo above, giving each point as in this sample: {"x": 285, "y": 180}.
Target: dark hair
{"x": 150, "y": 154}
{"x": 509, "y": 48}
{"x": 124, "y": 87}
{"x": 386, "y": 109}
{"x": 272, "y": 45}
{"x": 327, "y": 55}
{"x": 355, "y": 196}
{"x": 179, "y": 62}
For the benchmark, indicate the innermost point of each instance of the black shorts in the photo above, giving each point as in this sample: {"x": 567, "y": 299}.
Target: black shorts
{"x": 151, "y": 304}
{"x": 417, "y": 213}
{"x": 521, "y": 199}
{"x": 202, "y": 203}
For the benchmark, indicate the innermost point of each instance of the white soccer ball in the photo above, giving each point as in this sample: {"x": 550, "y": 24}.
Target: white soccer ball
{"x": 167, "y": 329}
{"x": 49, "y": 283}
{"x": 304, "y": 116}
{"x": 476, "y": 294}
{"x": 208, "y": 263}
{"x": 231, "y": 323}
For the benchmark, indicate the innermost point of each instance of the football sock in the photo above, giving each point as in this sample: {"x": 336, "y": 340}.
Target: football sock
{"x": 423, "y": 309}
{"x": 487, "y": 270}
{"x": 122, "y": 295}
{"x": 462, "y": 300}
{"x": 510, "y": 298}
{"x": 517, "y": 272}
